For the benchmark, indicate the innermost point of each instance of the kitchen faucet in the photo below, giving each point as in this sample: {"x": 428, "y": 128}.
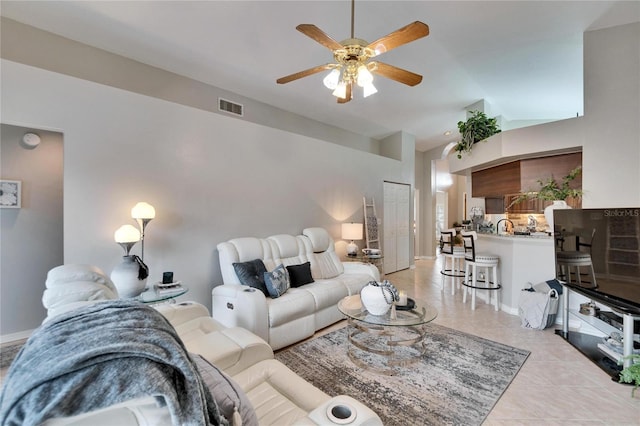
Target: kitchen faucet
{"x": 506, "y": 227}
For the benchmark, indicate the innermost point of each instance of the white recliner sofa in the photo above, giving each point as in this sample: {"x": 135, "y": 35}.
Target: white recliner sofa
{"x": 299, "y": 312}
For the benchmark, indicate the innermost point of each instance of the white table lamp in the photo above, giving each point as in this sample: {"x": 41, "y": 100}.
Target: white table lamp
{"x": 352, "y": 231}
{"x": 126, "y": 236}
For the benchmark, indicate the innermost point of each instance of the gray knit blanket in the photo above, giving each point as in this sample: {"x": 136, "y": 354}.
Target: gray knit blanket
{"x": 100, "y": 355}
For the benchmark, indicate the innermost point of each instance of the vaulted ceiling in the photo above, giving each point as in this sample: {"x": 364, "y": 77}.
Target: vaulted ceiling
{"x": 524, "y": 58}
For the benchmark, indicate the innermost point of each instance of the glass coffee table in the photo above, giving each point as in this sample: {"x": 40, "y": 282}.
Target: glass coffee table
{"x": 385, "y": 343}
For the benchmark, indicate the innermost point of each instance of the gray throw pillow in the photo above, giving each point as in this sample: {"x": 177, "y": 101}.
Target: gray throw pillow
{"x": 251, "y": 273}
{"x": 277, "y": 281}
{"x": 227, "y": 394}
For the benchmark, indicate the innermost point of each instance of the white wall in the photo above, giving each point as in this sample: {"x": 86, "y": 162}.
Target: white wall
{"x": 31, "y": 240}
{"x": 609, "y": 132}
{"x": 612, "y": 111}
{"x": 209, "y": 177}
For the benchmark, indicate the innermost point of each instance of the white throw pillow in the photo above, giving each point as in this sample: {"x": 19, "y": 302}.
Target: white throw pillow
{"x": 326, "y": 265}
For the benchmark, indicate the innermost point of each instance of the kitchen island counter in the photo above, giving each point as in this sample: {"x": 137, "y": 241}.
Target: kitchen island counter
{"x": 534, "y": 236}
{"x": 523, "y": 259}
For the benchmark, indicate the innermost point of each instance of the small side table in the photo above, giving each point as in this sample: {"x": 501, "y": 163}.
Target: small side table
{"x": 375, "y": 260}
{"x": 154, "y": 296}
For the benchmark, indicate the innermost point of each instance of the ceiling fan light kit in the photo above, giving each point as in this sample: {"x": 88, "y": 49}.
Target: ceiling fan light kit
{"x": 352, "y": 59}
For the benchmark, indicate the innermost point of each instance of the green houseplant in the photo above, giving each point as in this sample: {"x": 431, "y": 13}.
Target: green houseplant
{"x": 631, "y": 374}
{"x": 477, "y": 128}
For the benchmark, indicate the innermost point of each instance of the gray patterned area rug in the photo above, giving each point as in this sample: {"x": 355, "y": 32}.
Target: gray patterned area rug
{"x": 8, "y": 353}
{"x": 457, "y": 382}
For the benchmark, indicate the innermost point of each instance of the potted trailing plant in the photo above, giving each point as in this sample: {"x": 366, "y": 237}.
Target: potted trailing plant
{"x": 477, "y": 128}
{"x": 631, "y": 374}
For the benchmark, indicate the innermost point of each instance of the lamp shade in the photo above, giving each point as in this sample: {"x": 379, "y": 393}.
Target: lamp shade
{"x": 127, "y": 234}
{"x": 369, "y": 90}
{"x": 143, "y": 210}
{"x": 351, "y": 231}
{"x": 364, "y": 76}
{"x": 341, "y": 90}
{"x": 332, "y": 79}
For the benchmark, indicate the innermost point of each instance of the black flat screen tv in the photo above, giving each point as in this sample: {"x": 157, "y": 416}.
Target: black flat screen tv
{"x": 615, "y": 253}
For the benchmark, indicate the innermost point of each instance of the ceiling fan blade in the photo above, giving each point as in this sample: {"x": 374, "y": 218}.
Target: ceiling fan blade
{"x": 399, "y": 37}
{"x": 348, "y": 97}
{"x": 305, "y": 73}
{"x": 398, "y": 74}
{"x": 318, "y": 35}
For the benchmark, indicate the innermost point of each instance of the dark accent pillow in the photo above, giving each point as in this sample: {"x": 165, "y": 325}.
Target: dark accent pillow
{"x": 277, "y": 281}
{"x": 300, "y": 274}
{"x": 251, "y": 273}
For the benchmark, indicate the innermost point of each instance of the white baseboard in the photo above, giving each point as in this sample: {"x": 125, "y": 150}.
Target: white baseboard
{"x": 424, "y": 257}
{"x": 21, "y": 335}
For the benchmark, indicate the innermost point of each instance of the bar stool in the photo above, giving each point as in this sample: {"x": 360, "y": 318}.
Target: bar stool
{"x": 450, "y": 251}
{"x": 577, "y": 258}
{"x": 474, "y": 261}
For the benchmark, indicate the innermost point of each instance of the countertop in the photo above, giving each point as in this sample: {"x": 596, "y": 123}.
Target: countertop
{"x": 535, "y": 236}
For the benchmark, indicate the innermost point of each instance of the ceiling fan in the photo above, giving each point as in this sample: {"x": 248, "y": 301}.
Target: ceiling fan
{"x": 353, "y": 56}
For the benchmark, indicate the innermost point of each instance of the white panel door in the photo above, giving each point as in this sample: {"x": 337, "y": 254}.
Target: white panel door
{"x": 396, "y": 226}
{"x": 403, "y": 226}
{"x": 389, "y": 222}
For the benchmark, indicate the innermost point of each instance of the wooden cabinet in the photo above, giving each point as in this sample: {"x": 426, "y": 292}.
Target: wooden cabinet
{"x": 494, "y": 205}
{"x": 500, "y": 185}
{"x": 534, "y": 205}
{"x": 496, "y": 181}
{"x": 558, "y": 166}
{"x": 527, "y": 206}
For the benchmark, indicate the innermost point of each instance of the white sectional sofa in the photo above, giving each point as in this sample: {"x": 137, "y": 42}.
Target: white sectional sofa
{"x": 277, "y": 394}
{"x": 111, "y": 362}
{"x": 300, "y": 311}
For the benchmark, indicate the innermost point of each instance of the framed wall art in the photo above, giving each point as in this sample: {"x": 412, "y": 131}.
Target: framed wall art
{"x": 10, "y": 194}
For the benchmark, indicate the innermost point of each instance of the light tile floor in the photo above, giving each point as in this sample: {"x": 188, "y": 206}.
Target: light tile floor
{"x": 556, "y": 386}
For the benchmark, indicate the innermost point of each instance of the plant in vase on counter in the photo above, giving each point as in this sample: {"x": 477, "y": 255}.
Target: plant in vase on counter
{"x": 550, "y": 190}
{"x": 477, "y": 128}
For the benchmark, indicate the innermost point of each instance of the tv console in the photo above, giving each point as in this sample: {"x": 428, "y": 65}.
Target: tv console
{"x": 591, "y": 346}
